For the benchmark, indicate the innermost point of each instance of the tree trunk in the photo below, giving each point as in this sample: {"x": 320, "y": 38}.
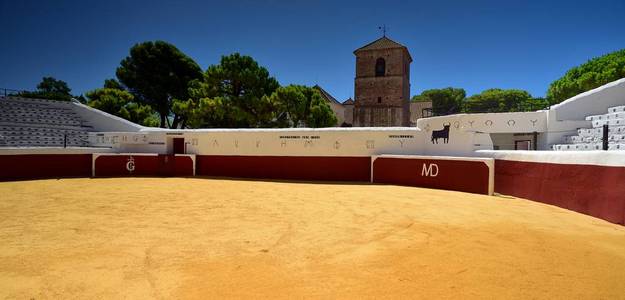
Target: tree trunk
{"x": 163, "y": 125}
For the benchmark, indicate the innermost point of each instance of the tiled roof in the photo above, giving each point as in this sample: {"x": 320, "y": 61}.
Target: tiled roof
{"x": 348, "y": 102}
{"x": 326, "y": 95}
{"x": 381, "y": 43}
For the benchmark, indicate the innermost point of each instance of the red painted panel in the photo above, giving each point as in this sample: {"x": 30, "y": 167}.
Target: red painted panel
{"x": 35, "y": 166}
{"x": 286, "y": 167}
{"x": 457, "y": 175}
{"x": 183, "y": 166}
{"x": 594, "y": 190}
{"x": 127, "y": 165}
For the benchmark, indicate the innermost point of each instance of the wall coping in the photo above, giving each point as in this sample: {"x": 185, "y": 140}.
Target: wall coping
{"x": 598, "y": 157}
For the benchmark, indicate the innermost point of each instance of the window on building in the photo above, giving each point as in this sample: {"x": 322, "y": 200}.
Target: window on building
{"x": 379, "y": 99}
{"x": 380, "y": 67}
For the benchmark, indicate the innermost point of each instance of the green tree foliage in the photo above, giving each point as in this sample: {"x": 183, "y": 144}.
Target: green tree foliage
{"x": 592, "y": 74}
{"x": 444, "y": 101}
{"x": 121, "y": 103}
{"x": 157, "y": 74}
{"x": 297, "y": 105}
{"x": 231, "y": 95}
{"x": 499, "y": 100}
{"x": 112, "y": 84}
{"x": 50, "y": 88}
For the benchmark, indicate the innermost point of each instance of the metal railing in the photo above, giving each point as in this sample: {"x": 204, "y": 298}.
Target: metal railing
{"x": 10, "y": 92}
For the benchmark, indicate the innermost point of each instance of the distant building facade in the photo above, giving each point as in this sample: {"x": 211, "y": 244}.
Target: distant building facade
{"x": 382, "y": 84}
{"x": 381, "y": 89}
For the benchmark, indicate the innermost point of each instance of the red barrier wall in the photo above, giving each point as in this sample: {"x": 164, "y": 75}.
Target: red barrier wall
{"x": 594, "y": 190}
{"x": 458, "y": 175}
{"x": 38, "y": 166}
{"x": 143, "y": 165}
{"x": 324, "y": 168}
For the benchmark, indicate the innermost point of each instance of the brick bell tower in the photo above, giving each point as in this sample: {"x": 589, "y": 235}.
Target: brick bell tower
{"x": 382, "y": 84}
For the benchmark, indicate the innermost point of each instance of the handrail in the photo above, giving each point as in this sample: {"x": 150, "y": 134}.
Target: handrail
{"x": 10, "y": 92}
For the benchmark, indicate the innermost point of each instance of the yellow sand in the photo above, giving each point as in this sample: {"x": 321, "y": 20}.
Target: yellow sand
{"x": 206, "y": 238}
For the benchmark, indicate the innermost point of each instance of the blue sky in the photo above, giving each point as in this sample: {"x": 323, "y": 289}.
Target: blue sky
{"x": 475, "y": 45}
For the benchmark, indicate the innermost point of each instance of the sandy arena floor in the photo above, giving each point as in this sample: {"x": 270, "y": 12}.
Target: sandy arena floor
{"x": 206, "y": 238}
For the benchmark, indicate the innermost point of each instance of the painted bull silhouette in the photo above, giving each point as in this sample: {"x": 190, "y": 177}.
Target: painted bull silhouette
{"x": 441, "y": 134}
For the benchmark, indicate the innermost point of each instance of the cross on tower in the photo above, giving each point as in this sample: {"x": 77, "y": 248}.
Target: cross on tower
{"x": 383, "y": 28}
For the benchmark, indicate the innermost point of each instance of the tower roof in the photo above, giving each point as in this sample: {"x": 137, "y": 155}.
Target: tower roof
{"x": 382, "y": 43}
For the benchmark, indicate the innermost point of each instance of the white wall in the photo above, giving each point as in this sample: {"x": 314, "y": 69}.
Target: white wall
{"x": 490, "y": 122}
{"x": 359, "y": 141}
{"x": 593, "y": 102}
{"x": 101, "y": 121}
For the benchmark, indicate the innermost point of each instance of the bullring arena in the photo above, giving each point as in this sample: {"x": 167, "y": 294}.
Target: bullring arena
{"x": 441, "y": 210}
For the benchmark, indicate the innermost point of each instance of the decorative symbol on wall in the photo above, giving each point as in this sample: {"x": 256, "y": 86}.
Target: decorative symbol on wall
{"x": 145, "y": 138}
{"x": 471, "y": 123}
{"x": 283, "y": 144}
{"x": 401, "y": 143}
{"x": 257, "y": 144}
{"x": 135, "y": 138}
{"x": 511, "y": 122}
{"x": 488, "y": 123}
{"x": 441, "y": 134}
{"x": 534, "y": 122}
{"x": 337, "y": 145}
{"x": 308, "y": 144}
{"x": 236, "y": 144}
{"x": 370, "y": 144}
{"x": 215, "y": 143}
{"x": 427, "y": 127}
{"x": 457, "y": 124}
{"x": 130, "y": 165}
{"x": 194, "y": 142}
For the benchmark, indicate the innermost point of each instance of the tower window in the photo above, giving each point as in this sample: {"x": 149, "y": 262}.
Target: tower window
{"x": 379, "y": 99}
{"x": 380, "y": 67}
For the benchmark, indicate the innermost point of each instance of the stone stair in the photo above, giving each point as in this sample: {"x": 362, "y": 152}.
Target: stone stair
{"x": 592, "y": 138}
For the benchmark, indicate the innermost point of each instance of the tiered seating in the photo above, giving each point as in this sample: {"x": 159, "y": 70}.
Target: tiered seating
{"x": 36, "y": 123}
{"x": 592, "y": 138}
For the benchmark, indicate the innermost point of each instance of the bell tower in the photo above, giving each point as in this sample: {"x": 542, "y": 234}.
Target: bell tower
{"x": 382, "y": 84}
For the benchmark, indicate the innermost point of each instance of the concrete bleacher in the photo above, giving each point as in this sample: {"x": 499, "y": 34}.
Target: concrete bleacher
{"x": 41, "y": 123}
{"x": 592, "y": 138}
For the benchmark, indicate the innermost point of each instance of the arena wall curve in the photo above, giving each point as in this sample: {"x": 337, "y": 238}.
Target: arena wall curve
{"x": 587, "y": 182}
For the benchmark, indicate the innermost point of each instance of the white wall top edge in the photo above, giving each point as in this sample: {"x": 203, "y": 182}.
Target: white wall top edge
{"x": 598, "y": 157}
{"x": 480, "y": 159}
{"x": 126, "y": 154}
{"x": 347, "y": 129}
{"x": 52, "y": 150}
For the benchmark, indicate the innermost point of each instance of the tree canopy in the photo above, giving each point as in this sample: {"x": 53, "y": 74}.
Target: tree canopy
{"x": 444, "y": 101}
{"x": 298, "y": 105}
{"x": 499, "y": 100}
{"x": 592, "y": 74}
{"x": 50, "y": 88}
{"x": 230, "y": 95}
{"x": 157, "y": 73}
{"x": 121, "y": 103}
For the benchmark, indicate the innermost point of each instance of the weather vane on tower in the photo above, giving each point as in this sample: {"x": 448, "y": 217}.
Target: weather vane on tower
{"x": 383, "y": 28}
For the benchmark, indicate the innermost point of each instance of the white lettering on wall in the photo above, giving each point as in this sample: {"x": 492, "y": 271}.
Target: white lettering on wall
{"x": 429, "y": 170}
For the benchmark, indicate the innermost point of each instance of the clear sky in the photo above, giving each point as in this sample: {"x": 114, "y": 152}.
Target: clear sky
{"x": 473, "y": 44}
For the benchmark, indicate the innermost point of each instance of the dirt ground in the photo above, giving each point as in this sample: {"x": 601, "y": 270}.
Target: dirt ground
{"x": 130, "y": 238}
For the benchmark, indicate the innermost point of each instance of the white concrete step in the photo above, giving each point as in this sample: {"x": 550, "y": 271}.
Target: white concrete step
{"x": 617, "y": 146}
{"x": 608, "y": 116}
{"x": 611, "y": 122}
{"x": 616, "y": 109}
{"x": 598, "y": 132}
{"x": 578, "y": 147}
